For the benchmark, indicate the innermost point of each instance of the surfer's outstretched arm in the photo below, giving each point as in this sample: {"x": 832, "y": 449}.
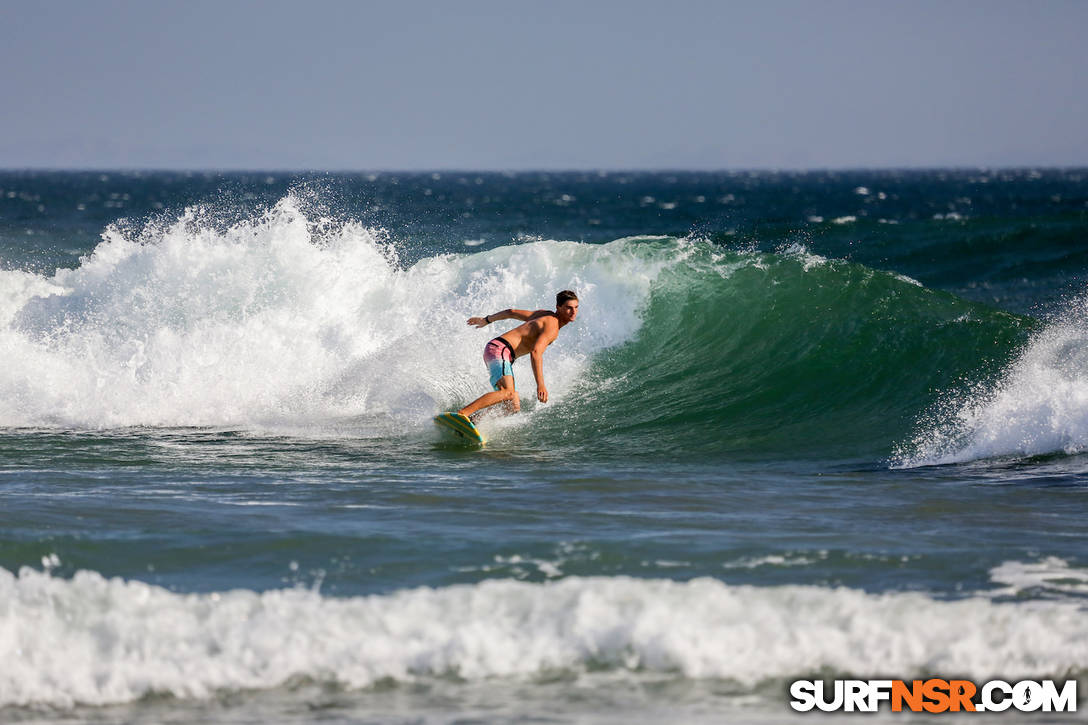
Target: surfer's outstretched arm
{"x": 508, "y": 314}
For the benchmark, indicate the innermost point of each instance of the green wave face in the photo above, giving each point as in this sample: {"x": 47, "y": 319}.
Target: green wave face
{"x": 785, "y": 355}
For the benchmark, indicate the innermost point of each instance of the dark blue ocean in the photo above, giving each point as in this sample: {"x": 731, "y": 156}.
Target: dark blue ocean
{"x": 820, "y": 424}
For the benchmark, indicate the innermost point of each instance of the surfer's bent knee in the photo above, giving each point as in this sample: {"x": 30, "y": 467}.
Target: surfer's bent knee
{"x": 510, "y": 395}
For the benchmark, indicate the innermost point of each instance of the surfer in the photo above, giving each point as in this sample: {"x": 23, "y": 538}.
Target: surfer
{"x": 532, "y": 338}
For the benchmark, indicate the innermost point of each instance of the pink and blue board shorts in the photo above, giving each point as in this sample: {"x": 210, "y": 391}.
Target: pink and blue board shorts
{"x": 499, "y": 359}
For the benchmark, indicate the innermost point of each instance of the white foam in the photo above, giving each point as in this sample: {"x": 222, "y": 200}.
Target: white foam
{"x": 1040, "y": 404}
{"x": 287, "y": 319}
{"x": 790, "y": 559}
{"x": 908, "y": 280}
{"x": 98, "y": 641}
{"x": 801, "y": 252}
{"x": 1051, "y": 575}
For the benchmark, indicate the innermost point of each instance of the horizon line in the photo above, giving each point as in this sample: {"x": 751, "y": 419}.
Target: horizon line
{"x": 538, "y": 170}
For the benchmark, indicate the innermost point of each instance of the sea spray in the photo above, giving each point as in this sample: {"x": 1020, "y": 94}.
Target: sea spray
{"x": 1038, "y": 405}
{"x": 282, "y": 320}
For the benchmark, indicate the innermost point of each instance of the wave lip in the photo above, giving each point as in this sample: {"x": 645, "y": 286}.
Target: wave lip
{"x": 96, "y": 641}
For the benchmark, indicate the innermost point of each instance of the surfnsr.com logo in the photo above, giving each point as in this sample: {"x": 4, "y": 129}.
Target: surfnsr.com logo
{"x": 933, "y": 695}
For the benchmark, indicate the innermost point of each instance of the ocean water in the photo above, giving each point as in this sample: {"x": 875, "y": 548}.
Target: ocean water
{"x": 806, "y": 425}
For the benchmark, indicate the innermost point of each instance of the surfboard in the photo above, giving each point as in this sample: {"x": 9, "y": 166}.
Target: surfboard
{"x": 460, "y": 425}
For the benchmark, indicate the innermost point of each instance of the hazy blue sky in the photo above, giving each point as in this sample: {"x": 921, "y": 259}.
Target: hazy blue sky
{"x": 515, "y": 85}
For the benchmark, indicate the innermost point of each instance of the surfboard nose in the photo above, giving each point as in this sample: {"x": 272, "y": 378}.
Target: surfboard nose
{"x": 459, "y": 425}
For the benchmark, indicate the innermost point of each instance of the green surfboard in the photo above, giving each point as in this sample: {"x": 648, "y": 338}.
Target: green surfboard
{"x": 460, "y": 425}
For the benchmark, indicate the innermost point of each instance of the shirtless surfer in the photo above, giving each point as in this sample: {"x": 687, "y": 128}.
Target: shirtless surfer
{"x": 532, "y": 338}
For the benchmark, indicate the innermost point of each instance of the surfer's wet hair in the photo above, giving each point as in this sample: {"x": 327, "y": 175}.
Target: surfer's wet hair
{"x": 564, "y": 296}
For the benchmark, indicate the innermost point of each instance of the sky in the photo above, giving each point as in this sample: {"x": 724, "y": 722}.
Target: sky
{"x": 512, "y": 85}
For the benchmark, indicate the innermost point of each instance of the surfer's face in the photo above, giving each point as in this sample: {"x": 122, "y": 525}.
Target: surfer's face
{"x": 568, "y": 310}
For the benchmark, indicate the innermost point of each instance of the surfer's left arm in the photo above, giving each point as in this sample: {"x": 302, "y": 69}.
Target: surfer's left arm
{"x": 549, "y": 331}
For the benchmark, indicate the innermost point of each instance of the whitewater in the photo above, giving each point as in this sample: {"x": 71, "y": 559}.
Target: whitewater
{"x": 125, "y": 640}
{"x": 279, "y": 320}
